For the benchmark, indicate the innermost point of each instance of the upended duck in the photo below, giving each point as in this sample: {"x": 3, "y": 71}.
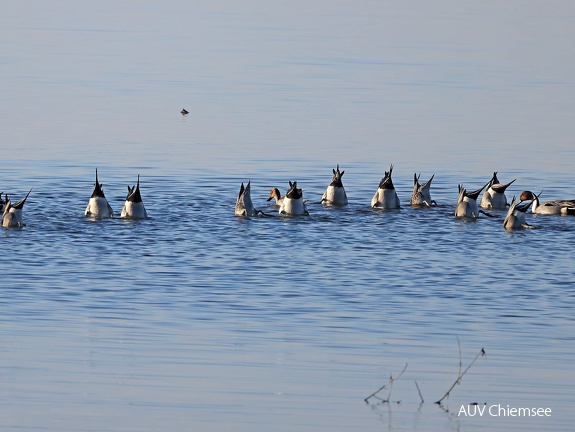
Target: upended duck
{"x": 385, "y": 197}
{"x": 244, "y": 205}
{"x": 98, "y": 206}
{"x": 515, "y": 218}
{"x": 134, "y": 206}
{"x": 494, "y": 197}
{"x": 12, "y": 214}
{"x": 293, "y": 203}
{"x": 335, "y": 194}
{"x": 467, "y": 203}
{"x": 421, "y": 195}
{"x": 556, "y": 207}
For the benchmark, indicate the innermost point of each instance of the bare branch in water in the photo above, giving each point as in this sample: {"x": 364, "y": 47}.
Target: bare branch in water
{"x": 459, "y": 373}
{"x": 388, "y": 383}
{"x": 419, "y": 391}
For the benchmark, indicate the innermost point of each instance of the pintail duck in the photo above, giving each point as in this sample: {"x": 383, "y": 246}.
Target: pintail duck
{"x": 385, "y": 197}
{"x": 515, "y": 218}
{"x": 12, "y": 214}
{"x": 244, "y": 205}
{"x": 98, "y": 206}
{"x": 275, "y": 194}
{"x": 556, "y": 207}
{"x": 467, "y": 203}
{"x": 335, "y": 193}
{"x": 421, "y": 196}
{"x": 293, "y": 203}
{"x": 134, "y": 206}
{"x": 494, "y": 197}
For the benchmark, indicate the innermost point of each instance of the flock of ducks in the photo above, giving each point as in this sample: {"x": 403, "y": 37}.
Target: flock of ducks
{"x": 293, "y": 204}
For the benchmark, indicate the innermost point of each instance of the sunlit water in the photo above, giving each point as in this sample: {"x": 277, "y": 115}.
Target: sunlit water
{"x": 199, "y": 320}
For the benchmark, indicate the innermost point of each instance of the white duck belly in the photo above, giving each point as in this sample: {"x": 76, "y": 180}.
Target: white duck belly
{"x": 98, "y": 207}
{"x": 12, "y": 219}
{"x": 385, "y": 198}
{"x": 334, "y": 196}
{"x": 294, "y": 207}
{"x": 134, "y": 210}
{"x": 493, "y": 200}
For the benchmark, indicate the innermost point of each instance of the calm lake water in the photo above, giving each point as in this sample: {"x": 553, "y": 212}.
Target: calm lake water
{"x": 199, "y": 320}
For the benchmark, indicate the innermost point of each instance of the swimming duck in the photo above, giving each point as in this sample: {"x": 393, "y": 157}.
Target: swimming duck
{"x": 184, "y": 111}
{"x": 98, "y": 206}
{"x": 421, "y": 196}
{"x": 293, "y": 204}
{"x": 494, "y": 197}
{"x": 12, "y": 214}
{"x": 385, "y": 197}
{"x": 244, "y": 205}
{"x": 467, "y": 203}
{"x": 556, "y": 207}
{"x": 275, "y": 194}
{"x": 515, "y": 218}
{"x": 335, "y": 193}
{"x": 134, "y": 206}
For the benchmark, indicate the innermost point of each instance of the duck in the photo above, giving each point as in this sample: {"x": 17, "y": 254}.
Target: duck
{"x": 134, "y": 206}
{"x": 335, "y": 193}
{"x": 12, "y": 214}
{"x": 494, "y": 197}
{"x": 184, "y": 111}
{"x": 556, "y": 207}
{"x": 275, "y": 194}
{"x": 515, "y": 218}
{"x": 244, "y": 205}
{"x": 2, "y": 203}
{"x": 467, "y": 203}
{"x": 293, "y": 203}
{"x": 385, "y": 197}
{"x": 421, "y": 195}
{"x": 98, "y": 206}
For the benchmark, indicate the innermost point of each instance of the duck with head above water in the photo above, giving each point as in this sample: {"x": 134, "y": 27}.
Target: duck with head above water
{"x": 335, "y": 193}
{"x": 98, "y": 206}
{"x": 494, "y": 197}
{"x": 385, "y": 197}
{"x": 275, "y": 194}
{"x": 556, "y": 207}
{"x": 293, "y": 203}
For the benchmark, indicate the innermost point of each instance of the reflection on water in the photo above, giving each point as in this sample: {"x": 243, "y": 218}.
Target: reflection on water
{"x": 196, "y": 319}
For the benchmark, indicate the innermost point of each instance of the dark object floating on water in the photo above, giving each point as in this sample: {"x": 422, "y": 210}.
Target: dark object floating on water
{"x": 184, "y": 111}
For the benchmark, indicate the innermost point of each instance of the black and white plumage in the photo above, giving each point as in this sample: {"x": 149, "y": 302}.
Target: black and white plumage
{"x": 515, "y": 218}
{"x": 467, "y": 203}
{"x": 385, "y": 197}
{"x": 494, "y": 197}
{"x": 421, "y": 195}
{"x": 293, "y": 203}
{"x": 134, "y": 206}
{"x": 98, "y": 206}
{"x": 335, "y": 193}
